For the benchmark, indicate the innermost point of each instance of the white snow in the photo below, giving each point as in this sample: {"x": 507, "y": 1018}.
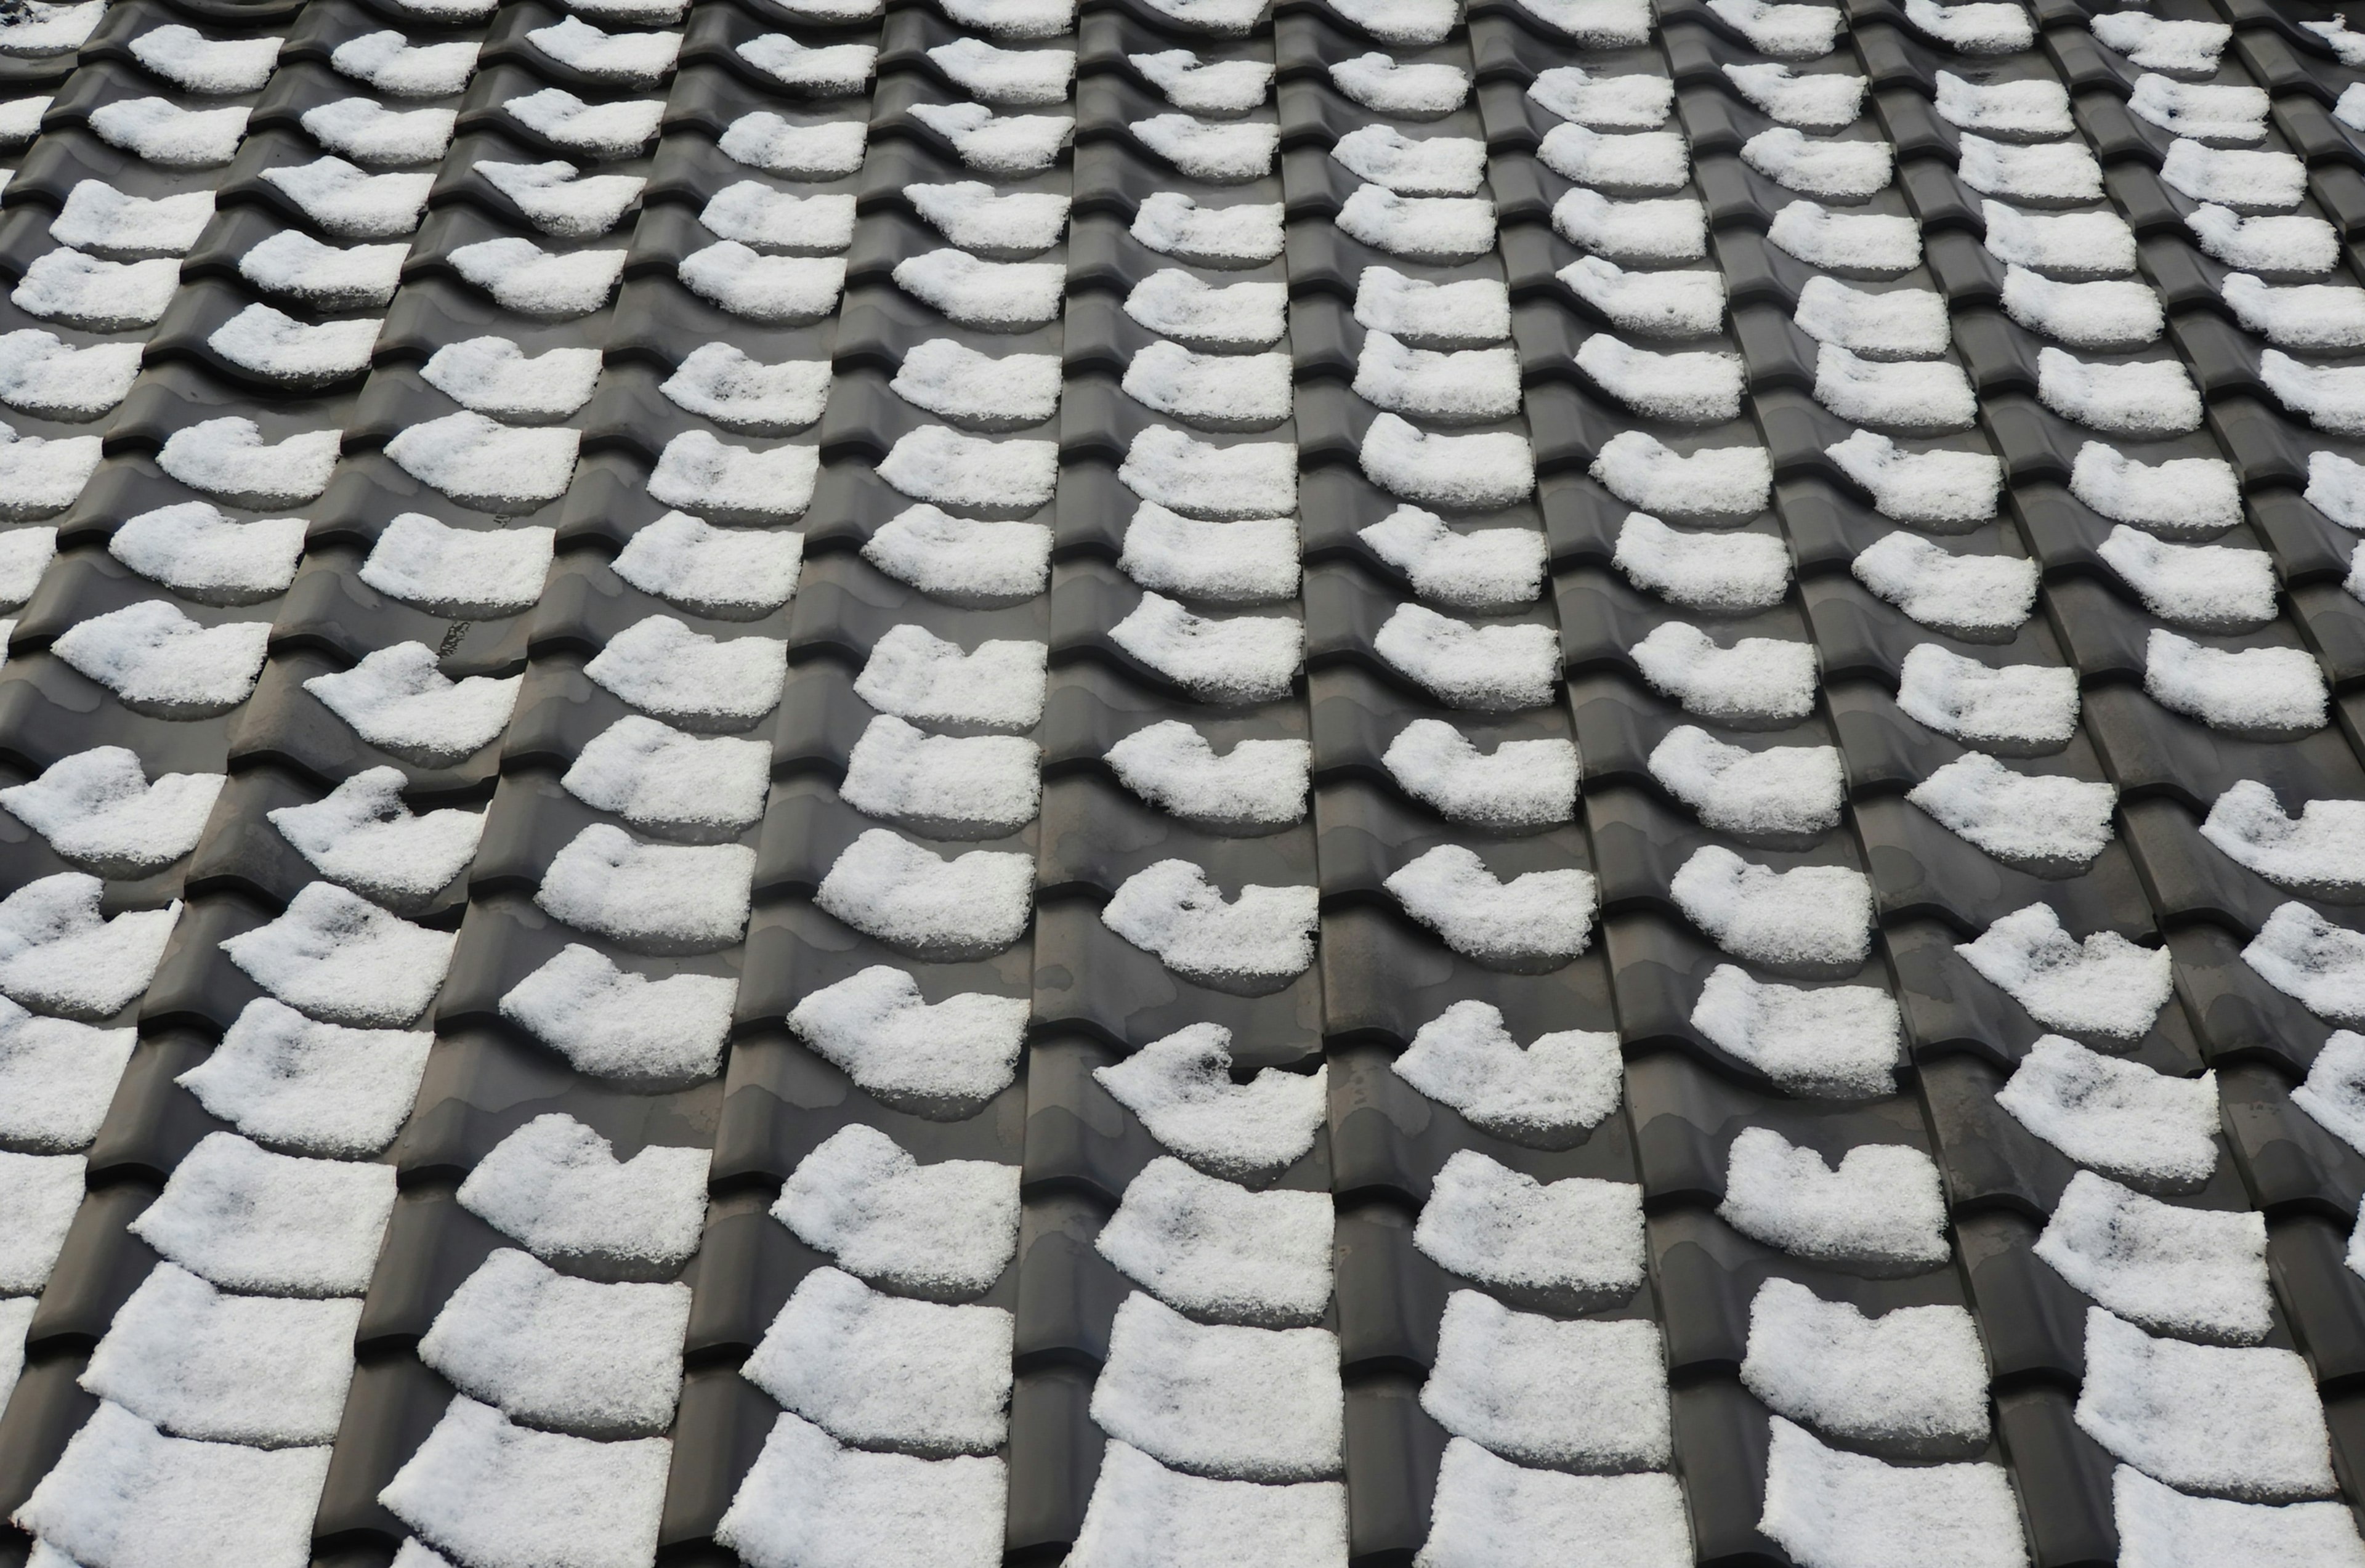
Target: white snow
{"x": 1241, "y": 659}
{"x": 613, "y": 1024}
{"x": 1787, "y": 32}
{"x": 1910, "y": 1379}
{"x": 911, "y": 1376}
{"x": 1813, "y": 102}
{"x": 2161, "y": 1527}
{"x": 248, "y": 1220}
{"x": 41, "y": 375}
{"x": 523, "y": 277}
{"x": 1216, "y": 1250}
{"x": 2075, "y": 243}
{"x": 41, "y": 475}
{"x": 566, "y": 1354}
{"x": 389, "y": 62}
{"x": 214, "y": 66}
{"x": 1213, "y": 87}
{"x": 495, "y": 1494}
{"x": 773, "y": 290}
{"x": 1724, "y": 481}
{"x": 948, "y": 1056}
{"x": 2331, "y": 396}
{"x": 1904, "y": 323}
{"x": 1216, "y": 391}
{"x": 2198, "y": 1274}
{"x": 1655, "y": 304}
{"x": 1181, "y": 306}
{"x": 1437, "y": 228}
{"x": 960, "y": 559}
{"x": 1003, "y": 145}
{"x": 1468, "y": 386}
{"x": 662, "y": 781}
{"x": 717, "y": 571}
{"x": 601, "y": 130}
{"x": 2308, "y": 316}
{"x": 1833, "y": 1041}
{"x": 396, "y": 699}
{"x": 39, "y": 1195}
{"x": 126, "y": 1495}
{"x": 2047, "y": 172}
{"x": 1389, "y": 86}
{"x": 1757, "y": 679}
{"x": 1535, "y": 918}
{"x": 1574, "y": 1239}
{"x": 652, "y": 897}
{"x": 1401, "y": 22}
{"x": 1181, "y": 1087}
{"x": 99, "y": 219}
{"x": 2102, "y": 985}
{"x": 1838, "y": 1509}
{"x": 2152, "y": 397}
{"x": 561, "y": 202}
{"x": 2336, "y": 486}
{"x": 1429, "y": 166}
{"x": 1987, "y": 28}
{"x": 2242, "y": 181}
{"x": 1173, "y": 224}
{"x": 916, "y": 674}
{"x": 638, "y": 59}
{"x": 362, "y": 835}
{"x": 723, "y": 383}
{"x": 1978, "y": 595}
{"x": 1475, "y": 472}
{"x": 1172, "y": 766}
{"x": 2182, "y": 496}
{"x": 2295, "y": 245}
{"x": 1575, "y": 1395}
{"x": 1489, "y": 1513}
{"x": 2309, "y": 958}
{"x": 57, "y": 1078}
{"x": 2248, "y": 690}
{"x": 1778, "y": 791}
{"x": 58, "y": 953}
{"x": 1808, "y": 919}
{"x": 2014, "y": 706}
{"x": 2322, "y": 850}
{"x": 160, "y": 131}
{"x": 1486, "y": 667}
{"x": 971, "y": 906}
{"x": 1820, "y": 166}
{"x": 1227, "y": 1402}
{"x": 154, "y": 656}
{"x": 1200, "y": 479}
{"x": 1857, "y": 241}
{"x": 689, "y": 678}
{"x": 1561, "y": 1083}
{"x": 755, "y": 213}
{"x": 2204, "y": 1417}
{"x": 476, "y": 460}
{"x": 828, "y": 150}
{"x": 939, "y": 464}
{"x": 1668, "y": 229}
{"x": 809, "y": 1503}
{"x": 311, "y": 1088}
{"x": 950, "y": 787}
{"x": 369, "y": 132}
{"x": 2120, "y": 1118}
{"x": 98, "y": 807}
{"x": 1485, "y": 569}
{"x": 354, "y": 277}
{"x": 106, "y": 296}
{"x": 1724, "y": 573}
{"x": 229, "y": 457}
{"x": 2045, "y": 818}
{"x": 1937, "y": 488}
{"x": 1878, "y": 1210}
{"x": 2033, "y": 108}
{"x": 343, "y": 959}
{"x": 1251, "y": 561}
{"x": 1699, "y": 387}
{"x": 1924, "y": 395}
{"x": 2157, "y": 44}
{"x": 2207, "y": 114}
{"x": 972, "y": 215}
{"x": 1605, "y": 103}
{"x": 697, "y": 469}
{"x": 2104, "y": 315}
{"x": 458, "y": 571}
{"x": 240, "y": 1369}
{"x": 949, "y": 377}
{"x": 2207, "y": 586}
{"x": 831, "y": 71}
{"x": 1258, "y": 940}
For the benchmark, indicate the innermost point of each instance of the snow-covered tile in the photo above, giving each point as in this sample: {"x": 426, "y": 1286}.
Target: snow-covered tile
{"x": 557, "y": 1186}
{"x": 962, "y": 560}
{"x": 310, "y": 1088}
{"x": 1635, "y": 102}
{"x": 246, "y": 1220}
{"x": 918, "y": 675}
{"x": 691, "y": 679}
{"x": 1236, "y": 659}
{"x": 1218, "y": 1400}
{"x": 564, "y": 1354}
{"x": 1010, "y": 145}
{"x": 1913, "y": 1380}
{"x": 397, "y": 699}
{"x": 2038, "y": 819}
{"x": 652, "y": 897}
{"x": 1777, "y": 791}
{"x": 601, "y": 130}
{"x": 1250, "y": 560}
{"x": 369, "y": 132}
{"x": 1971, "y": 596}
{"x": 2244, "y": 1424}
{"x": 878, "y": 1370}
{"x": 941, "y": 1059}
{"x": 1035, "y": 75}
{"x": 721, "y": 382}
{"x": 1722, "y": 573}
{"x": 2101, "y": 984}
{"x": 2028, "y": 107}
{"x": 2321, "y": 851}
{"x": 157, "y": 659}
{"x": 1494, "y": 667}
{"x": 2266, "y": 691}
{"x": 389, "y": 62}
{"x": 945, "y": 1231}
{"x": 613, "y": 1024}
{"x": 360, "y": 833}
{"x": 57, "y": 1078}
{"x": 99, "y": 809}
{"x": 327, "y": 277}
{"x": 1830, "y": 1508}
{"x": 1220, "y": 483}
{"x": 1543, "y": 1092}
{"x": 59, "y": 953}
{"x": 494, "y": 375}
{"x": 1489, "y": 1513}
{"x": 1389, "y": 86}
{"x": 1216, "y": 1250}
{"x": 1814, "y": 102}
{"x": 481, "y": 461}
{"x": 1532, "y": 920}
{"x": 1831, "y": 1041}
{"x": 1519, "y": 784}
{"x": 1575, "y": 1396}
{"x": 2311, "y": 959}
{"x": 2120, "y": 1118}
{"x": 1254, "y": 941}
{"x": 494, "y": 1494}
{"x": 1182, "y": 1088}
{"x": 214, "y": 66}
{"x": 809, "y": 1502}
{"x": 2197, "y": 1273}
{"x": 2069, "y": 244}
{"x": 1727, "y": 481}
{"x": 1811, "y": 919}
{"x": 341, "y": 959}
{"x": 159, "y": 131}
{"x": 39, "y": 1195}
{"x": 2014, "y": 708}
{"x": 1879, "y": 1211}
{"x": 906, "y": 895}
{"x": 771, "y": 290}
{"x": 1576, "y": 1240}
{"x": 672, "y": 784}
